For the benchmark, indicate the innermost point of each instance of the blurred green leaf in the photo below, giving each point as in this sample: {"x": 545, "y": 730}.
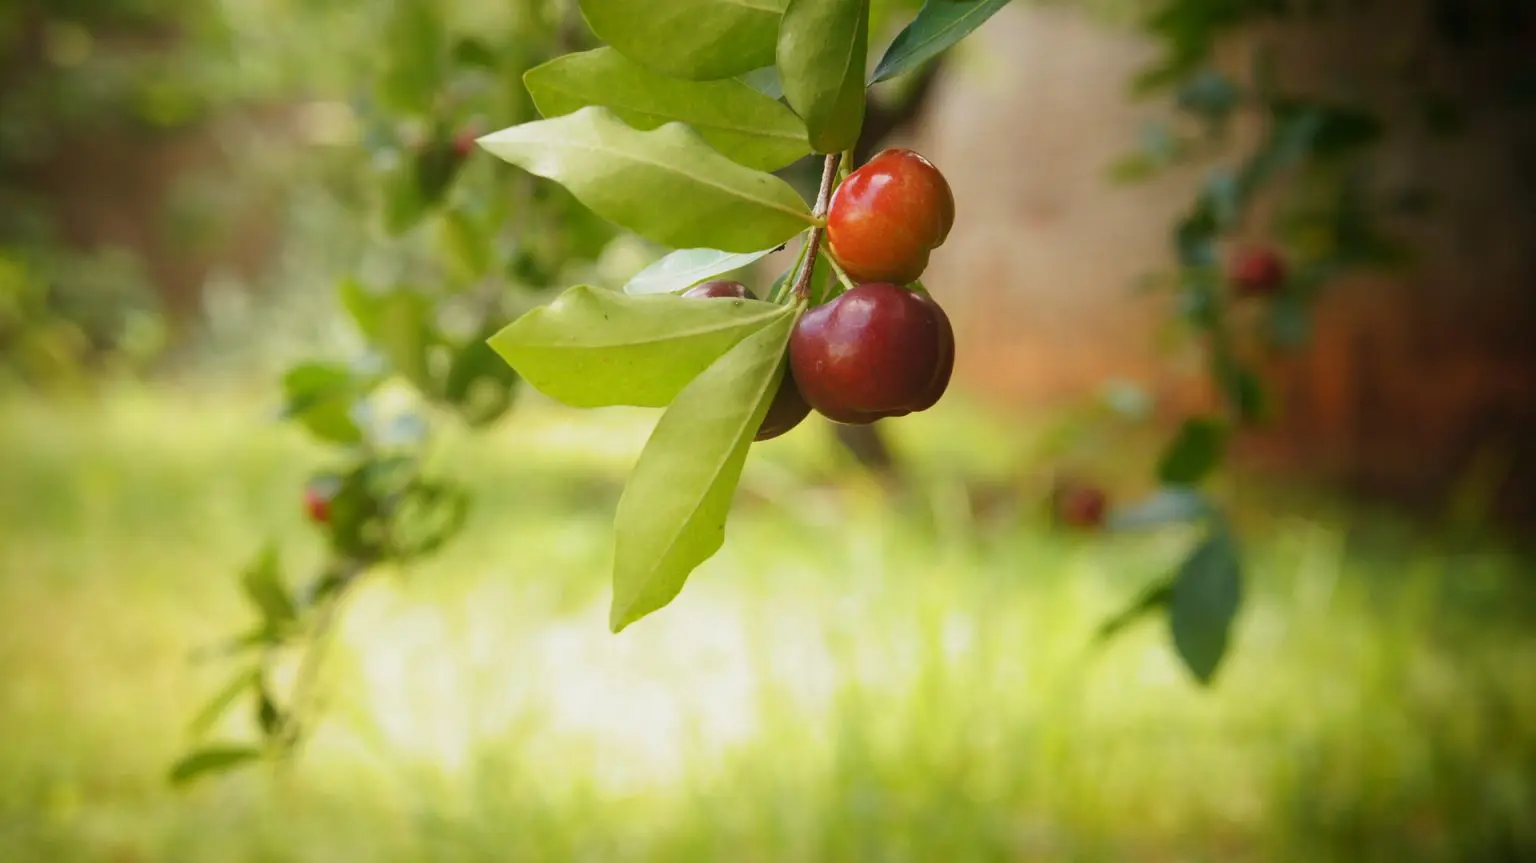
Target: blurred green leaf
{"x": 1133, "y": 169}
{"x": 268, "y": 718}
{"x": 594, "y": 348}
{"x": 263, "y": 585}
{"x": 685, "y": 268}
{"x": 466, "y": 245}
{"x": 479, "y": 383}
{"x": 214, "y": 759}
{"x": 1154, "y": 597}
{"x": 1208, "y": 93}
{"x": 667, "y": 185}
{"x": 1195, "y": 452}
{"x": 415, "y": 49}
{"x": 671, "y": 517}
{"x": 429, "y": 515}
{"x": 321, "y": 395}
{"x": 1203, "y": 602}
{"x": 216, "y": 706}
{"x": 822, "y": 50}
{"x": 693, "y": 39}
{"x": 938, "y": 25}
{"x": 740, "y": 122}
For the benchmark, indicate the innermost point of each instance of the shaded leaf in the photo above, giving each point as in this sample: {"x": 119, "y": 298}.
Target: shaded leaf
{"x": 695, "y": 39}
{"x": 938, "y": 25}
{"x": 594, "y": 348}
{"x": 685, "y": 268}
{"x": 217, "y": 705}
{"x": 1193, "y": 453}
{"x": 1204, "y": 600}
{"x": 667, "y": 185}
{"x": 822, "y": 50}
{"x": 262, "y": 582}
{"x": 671, "y": 517}
{"x": 743, "y": 124}
{"x": 480, "y": 384}
{"x": 214, "y": 759}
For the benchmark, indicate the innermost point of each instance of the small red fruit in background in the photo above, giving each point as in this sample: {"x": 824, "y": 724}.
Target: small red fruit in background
{"x": 1256, "y": 271}
{"x": 317, "y": 504}
{"x": 788, "y": 407}
{"x": 888, "y": 215}
{"x": 464, "y": 142}
{"x": 1080, "y": 505}
{"x": 879, "y": 350}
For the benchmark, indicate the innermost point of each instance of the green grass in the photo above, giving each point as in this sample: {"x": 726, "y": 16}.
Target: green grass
{"x": 851, "y": 678}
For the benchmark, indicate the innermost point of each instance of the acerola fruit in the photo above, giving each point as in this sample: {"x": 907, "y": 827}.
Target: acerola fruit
{"x": 879, "y": 350}
{"x": 317, "y": 504}
{"x": 1081, "y": 506}
{"x": 1257, "y": 271}
{"x": 788, "y": 407}
{"x": 888, "y": 215}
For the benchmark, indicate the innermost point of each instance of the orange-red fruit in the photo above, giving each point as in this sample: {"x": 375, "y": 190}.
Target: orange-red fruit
{"x": 888, "y": 215}
{"x": 1256, "y": 272}
{"x": 879, "y": 350}
{"x": 317, "y": 505}
{"x": 1081, "y": 506}
{"x": 788, "y": 407}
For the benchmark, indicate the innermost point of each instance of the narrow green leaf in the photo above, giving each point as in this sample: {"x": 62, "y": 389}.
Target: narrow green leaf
{"x": 694, "y": 39}
{"x": 823, "y": 46}
{"x": 1204, "y": 600}
{"x": 671, "y": 517}
{"x": 214, "y": 759}
{"x": 1195, "y": 452}
{"x": 685, "y": 268}
{"x": 1153, "y": 597}
{"x": 262, "y": 582}
{"x": 667, "y": 185}
{"x": 938, "y": 25}
{"x": 220, "y": 702}
{"x": 594, "y": 348}
{"x": 743, "y": 124}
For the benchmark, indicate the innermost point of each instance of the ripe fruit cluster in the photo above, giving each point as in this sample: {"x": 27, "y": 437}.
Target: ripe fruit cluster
{"x": 881, "y": 349}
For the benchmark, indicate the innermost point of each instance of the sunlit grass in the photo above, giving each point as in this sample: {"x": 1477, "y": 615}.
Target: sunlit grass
{"x": 851, "y": 678}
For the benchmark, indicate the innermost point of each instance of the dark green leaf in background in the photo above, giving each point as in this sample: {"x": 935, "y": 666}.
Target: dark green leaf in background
{"x": 214, "y": 759}
{"x": 263, "y": 585}
{"x": 1194, "y": 452}
{"x": 938, "y": 25}
{"x": 1204, "y": 600}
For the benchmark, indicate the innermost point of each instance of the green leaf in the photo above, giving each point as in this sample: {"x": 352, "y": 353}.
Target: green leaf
{"x": 1195, "y": 452}
{"x": 685, "y": 268}
{"x": 666, "y": 185}
{"x": 479, "y": 384}
{"x": 399, "y": 322}
{"x": 823, "y": 46}
{"x": 220, "y": 702}
{"x": 671, "y": 517}
{"x": 694, "y": 39}
{"x": 1153, "y": 597}
{"x": 214, "y": 759}
{"x": 1204, "y": 600}
{"x": 320, "y": 396}
{"x": 268, "y": 718}
{"x": 416, "y": 52}
{"x": 1166, "y": 506}
{"x": 938, "y": 25}
{"x": 765, "y": 81}
{"x": 594, "y": 348}
{"x": 263, "y": 585}
{"x": 743, "y": 124}
{"x": 466, "y": 245}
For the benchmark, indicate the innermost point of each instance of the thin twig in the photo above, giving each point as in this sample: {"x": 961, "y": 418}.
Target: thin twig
{"x": 813, "y": 243}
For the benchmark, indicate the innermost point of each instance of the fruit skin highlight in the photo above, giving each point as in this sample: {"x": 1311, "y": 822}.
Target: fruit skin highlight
{"x": 888, "y": 215}
{"x": 879, "y": 350}
{"x": 788, "y": 407}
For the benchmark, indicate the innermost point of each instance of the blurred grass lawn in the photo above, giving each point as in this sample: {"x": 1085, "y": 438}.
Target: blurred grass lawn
{"x": 848, "y": 679}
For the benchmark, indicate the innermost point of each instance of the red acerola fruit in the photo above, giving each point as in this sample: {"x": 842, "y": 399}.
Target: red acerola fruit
{"x": 788, "y": 407}
{"x": 888, "y": 215}
{"x": 317, "y": 504}
{"x": 1081, "y": 506}
{"x": 1257, "y": 271}
{"x": 879, "y": 350}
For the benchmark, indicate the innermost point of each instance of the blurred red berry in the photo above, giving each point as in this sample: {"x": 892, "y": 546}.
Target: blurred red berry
{"x": 1256, "y": 271}
{"x": 1081, "y": 506}
{"x": 318, "y": 505}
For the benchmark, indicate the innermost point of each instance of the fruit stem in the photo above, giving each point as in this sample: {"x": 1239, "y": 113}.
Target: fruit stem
{"x": 813, "y": 242}
{"x": 842, "y": 275}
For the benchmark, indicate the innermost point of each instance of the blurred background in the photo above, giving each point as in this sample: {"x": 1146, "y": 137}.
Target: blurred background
{"x": 895, "y": 656}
